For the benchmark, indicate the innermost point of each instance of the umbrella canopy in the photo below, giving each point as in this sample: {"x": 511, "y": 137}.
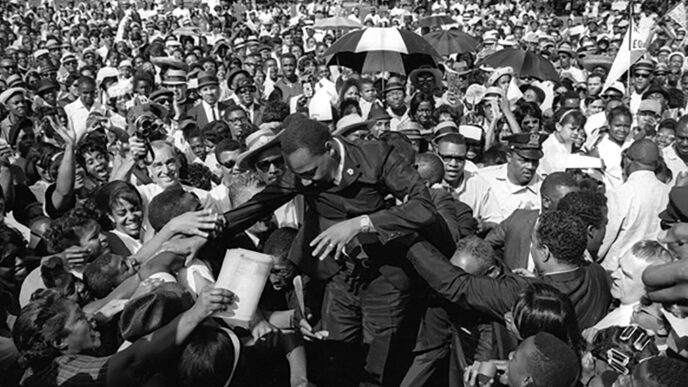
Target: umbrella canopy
{"x": 187, "y": 31}
{"x": 451, "y": 42}
{"x": 382, "y": 49}
{"x": 436, "y": 21}
{"x": 337, "y": 23}
{"x": 524, "y": 63}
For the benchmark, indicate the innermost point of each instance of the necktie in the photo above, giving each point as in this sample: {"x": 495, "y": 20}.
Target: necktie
{"x": 214, "y": 109}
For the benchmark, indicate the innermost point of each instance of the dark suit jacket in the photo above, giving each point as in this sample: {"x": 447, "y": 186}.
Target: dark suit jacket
{"x": 458, "y": 215}
{"x": 198, "y": 113}
{"x": 587, "y": 286}
{"x": 257, "y": 110}
{"x": 372, "y": 170}
{"x": 511, "y": 238}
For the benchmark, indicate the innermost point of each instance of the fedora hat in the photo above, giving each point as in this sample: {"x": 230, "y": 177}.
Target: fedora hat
{"x": 207, "y": 79}
{"x": 350, "y": 123}
{"x": 257, "y": 142}
{"x": 391, "y": 86}
{"x": 175, "y": 77}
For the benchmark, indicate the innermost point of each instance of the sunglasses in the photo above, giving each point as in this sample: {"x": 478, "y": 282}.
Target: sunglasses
{"x": 642, "y": 75}
{"x": 264, "y": 165}
{"x": 229, "y": 164}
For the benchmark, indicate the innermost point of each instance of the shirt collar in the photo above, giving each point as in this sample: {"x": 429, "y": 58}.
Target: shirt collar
{"x": 340, "y": 168}
{"x": 514, "y": 188}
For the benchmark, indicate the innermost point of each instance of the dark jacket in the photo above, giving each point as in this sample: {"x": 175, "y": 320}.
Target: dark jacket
{"x": 197, "y": 113}
{"x": 372, "y": 170}
{"x": 511, "y": 237}
{"x": 587, "y": 286}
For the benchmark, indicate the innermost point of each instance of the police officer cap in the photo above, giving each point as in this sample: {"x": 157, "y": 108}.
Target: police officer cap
{"x": 527, "y": 145}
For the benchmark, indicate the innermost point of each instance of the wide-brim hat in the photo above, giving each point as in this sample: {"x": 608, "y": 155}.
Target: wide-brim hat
{"x": 391, "y": 86}
{"x": 46, "y": 84}
{"x": 350, "y": 123}
{"x": 444, "y": 128}
{"x": 257, "y": 142}
{"x": 656, "y": 89}
{"x": 207, "y": 79}
{"x": 590, "y": 62}
{"x": 540, "y": 93}
{"x": 234, "y": 74}
{"x": 175, "y": 77}
{"x": 9, "y": 93}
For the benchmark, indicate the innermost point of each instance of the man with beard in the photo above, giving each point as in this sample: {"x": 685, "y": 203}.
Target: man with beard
{"x": 515, "y": 184}
{"x": 14, "y": 99}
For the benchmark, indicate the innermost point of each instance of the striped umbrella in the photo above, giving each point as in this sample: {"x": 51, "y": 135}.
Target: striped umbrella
{"x": 382, "y": 49}
{"x": 451, "y": 42}
{"x": 436, "y": 21}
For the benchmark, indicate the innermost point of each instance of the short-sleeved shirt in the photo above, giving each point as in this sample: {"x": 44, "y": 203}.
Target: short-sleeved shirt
{"x": 510, "y": 196}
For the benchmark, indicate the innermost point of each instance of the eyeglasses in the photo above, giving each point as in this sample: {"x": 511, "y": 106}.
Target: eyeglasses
{"x": 229, "y": 164}
{"x": 264, "y": 165}
{"x": 450, "y": 158}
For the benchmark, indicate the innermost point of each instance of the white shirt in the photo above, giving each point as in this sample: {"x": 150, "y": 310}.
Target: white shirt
{"x": 610, "y": 153}
{"x": 510, "y": 196}
{"x": 476, "y": 192}
{"x": 633, "y": 210}
{"x": 220, "y": 195}
{"x": 133, "y": 245}
{"x": 77, "y": 114}
{"x": 675, "y": 163}
{"x": 554, "y": 154}
{"x": 397, "y": 120}
{"x": 211, "y": 112}
{"x": 620, "y": 316}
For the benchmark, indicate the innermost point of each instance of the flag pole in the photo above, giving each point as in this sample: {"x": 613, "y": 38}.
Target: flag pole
{"x": 630, "y": 47}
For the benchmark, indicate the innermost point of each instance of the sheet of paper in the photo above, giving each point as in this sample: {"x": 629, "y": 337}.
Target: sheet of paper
{"x": 244, "y": 272}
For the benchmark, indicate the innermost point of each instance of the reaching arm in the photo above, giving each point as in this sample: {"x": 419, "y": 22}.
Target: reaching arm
{"x": 63, "y": 195}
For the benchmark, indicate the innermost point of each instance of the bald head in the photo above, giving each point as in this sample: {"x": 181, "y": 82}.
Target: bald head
{"x": 555, "y": 187}
{"x": 430, "y": 168}
{"x": 644, "y": 153}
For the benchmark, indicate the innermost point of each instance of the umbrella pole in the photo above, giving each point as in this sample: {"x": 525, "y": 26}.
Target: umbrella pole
{"x": 630, "y": 47}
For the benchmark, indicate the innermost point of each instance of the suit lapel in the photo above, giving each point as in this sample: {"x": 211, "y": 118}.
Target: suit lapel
{"x": 351, "y": 170}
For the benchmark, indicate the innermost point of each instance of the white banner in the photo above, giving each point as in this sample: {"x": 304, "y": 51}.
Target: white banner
{"x": 633, "y": 47}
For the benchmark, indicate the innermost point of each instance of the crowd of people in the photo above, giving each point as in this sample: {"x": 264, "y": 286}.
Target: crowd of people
{"x": 463, "y": 224}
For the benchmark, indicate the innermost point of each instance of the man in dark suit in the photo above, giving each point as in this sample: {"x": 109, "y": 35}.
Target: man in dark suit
{"x": 209, "y": 109}
{"x": 559, "y": 243}
{"x": 245, "y": 92}
{"x": 511, "y": 238}
{"x": 350, "y": 239}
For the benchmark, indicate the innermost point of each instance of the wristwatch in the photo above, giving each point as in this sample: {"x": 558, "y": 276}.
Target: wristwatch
{"x": 365, "y": 224}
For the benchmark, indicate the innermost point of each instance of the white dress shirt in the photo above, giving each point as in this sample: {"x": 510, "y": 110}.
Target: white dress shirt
{"x": 633, "y": 210}
{"x": 476, "y": 192}
{"x": 211, "y": 112}
{"x": 77, "y": 114}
